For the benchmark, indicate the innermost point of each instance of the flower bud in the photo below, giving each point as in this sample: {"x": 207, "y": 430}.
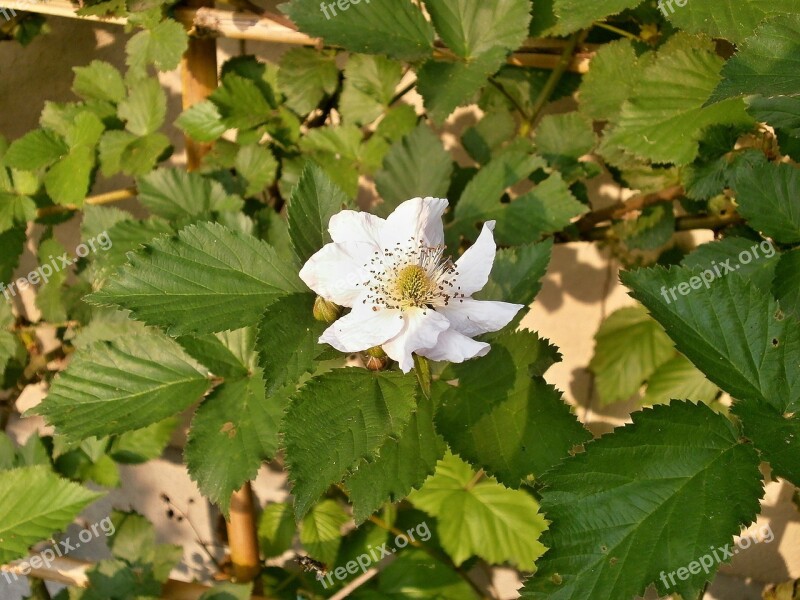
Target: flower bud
{"x": 326, "y": 311}
{"x": 375, "y": 359}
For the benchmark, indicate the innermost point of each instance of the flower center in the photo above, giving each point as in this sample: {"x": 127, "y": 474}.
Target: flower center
{"x": 413, "y": 286}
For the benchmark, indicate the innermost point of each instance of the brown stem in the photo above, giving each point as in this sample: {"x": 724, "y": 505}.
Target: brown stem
{"x": 99, "y": 199}
{"x": 620, "y": 209}
{"x": 242, "y": 536}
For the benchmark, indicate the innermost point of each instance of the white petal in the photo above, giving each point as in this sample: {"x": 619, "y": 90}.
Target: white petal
{"x": 353, "y": 226}
{"x": 363, "y": 328}
{"x": 473, "y": 317}
{"x": 455, "y": 347}
{"x": 421, "y": 330}
{"x": 419, "y": 218}
{"x": 337, "y": 271}
{"x": 475, "y": 264}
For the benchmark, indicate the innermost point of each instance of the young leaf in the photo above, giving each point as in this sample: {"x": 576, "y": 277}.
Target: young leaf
{"x": 768, "y": 63}
{"x": 202, "y": 122}
{"x": 369, "y": 85}
{"x": 162, "y": 46}
{"x": 676, "y": 461}
{"x": 257, "y": 165}
{"x": 35, "y": 150}
{"x": 353, "y": 412}
{"x": 415, "y": 167}
{"x": 767, "y": 197}
{"x": 314, "y": 201}
{"x": 207, "y": 279}
{"x": 732, "y": 331}
{"x": 68, "y": 181}
{"x": 320, "y": 531}
{"x": 276, "y": 529}
{"x": 145, "y": 107}
{"x": 232, "y": 433}
{"x": 306, "y": 76}
{"x": 615, "y": 62}
{"x": 473, "y": 29}
{"x": 517, "y": 273}
{"x": 503, "y": 416}
{"x": 34, "y": 504}
{"x": 679, "y": 379}
{"x": 396, "y": 28}
{"x": 402, "y": 464}
{"x": 479, "y": 517}
{"x": 99, "y": 81}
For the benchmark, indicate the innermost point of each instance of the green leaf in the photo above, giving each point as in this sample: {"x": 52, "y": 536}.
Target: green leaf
{"x": 517, "y": 273}
{"x": 229, "y": 354}
{"x": 473, "y": 29}
{"x": 369, "y": 86}
{"x": 236, "y": 420}
{"x": 287, "y": 340}
{"x": 35, "y": 150}
{"x": 783, "y": 112}
{"x": 733, "y": 20}
{"x": 569, "y": 136}
{"x": 276, "y": 529}
{"x": 787, "y": 282}
{"x": 314, "y": 201}
{"x": 15, "y": 210}
{"x": 320, "y": 531}
{"x": 548, "y": 208}
{"x": 679, "y": 379}
{"x": 142, "y": 445}
{"x": 629, "y": 347}
{"x": 99, "y": 81}
{"x": 402, "y": 465}
{"x": 353, "y": 412}
{"x": 767, "y": 197}
{"x": 448, "y": 85}
{"x": 676, "y": 461}
{"x": 727, "y": 252}
{"x": 85, "y": 130}
{"x": 479, "y": 517}
{"x": 134, "y": 541}
{"x": 664, "y": 117}
{"x": 114, "y": 387}
{"x": 207, "y": 279}
{"x": 49, "y": 297}
{"x": 145, "y": 107}
{"x": 202, "y": 122}
{"x": 162, "y": 46}
{"x": 768, "y": 63}
{"x": 242, "y": 102}
{"x": 12, "y": 244}
{"x": 34, "y": 504}
{"x": 615, "y": 62}
{"x": 732, "y": 331}
{"x": 257, "y": 165}
{"x": 480, "y": 200}
{"x": 415, "y": 167}
{"x": 174, "y": 194}
{"x": 651, "y": 230}
{"x": 503, "y": 416}
{"x": 775, "y": 435}
{"x": 489, "y": 135}
{"x": 68, "y": 181}
{"x": 396, "y": 28}
{"x": 306, "y": 76}
{"x": 579, "y": 14}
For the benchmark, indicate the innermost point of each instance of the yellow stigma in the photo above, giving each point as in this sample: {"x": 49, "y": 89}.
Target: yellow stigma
{"x": 413, "y": 286}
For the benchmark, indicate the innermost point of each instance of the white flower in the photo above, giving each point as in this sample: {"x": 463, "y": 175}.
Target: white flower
{"x": 406, "y": 295}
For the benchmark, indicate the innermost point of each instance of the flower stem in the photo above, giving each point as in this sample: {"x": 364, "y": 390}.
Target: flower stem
{"x": 422, "y": 368}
